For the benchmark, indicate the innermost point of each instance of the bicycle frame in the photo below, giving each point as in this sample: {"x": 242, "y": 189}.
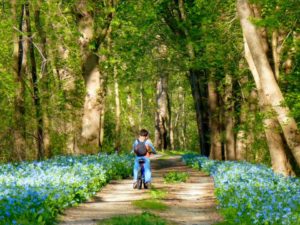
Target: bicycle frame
{"x": 141, "y": 174}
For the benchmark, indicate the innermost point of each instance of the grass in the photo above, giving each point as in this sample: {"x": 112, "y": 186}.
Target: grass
{"x": 176, "y": 177}
{"x": 150, "y": 204}
{"x": 145, "y": 218}
{"x": 158, "y": 193}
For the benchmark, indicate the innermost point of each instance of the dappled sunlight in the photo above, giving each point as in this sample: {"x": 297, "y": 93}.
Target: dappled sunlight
{"x": 252, "y": 193}
{"x": 32, "y": 191}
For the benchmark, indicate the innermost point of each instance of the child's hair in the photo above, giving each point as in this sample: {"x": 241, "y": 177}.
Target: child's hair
{"x": 144, "y": 133}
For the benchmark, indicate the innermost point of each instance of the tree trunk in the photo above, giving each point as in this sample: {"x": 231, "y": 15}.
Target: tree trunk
{"x": 36, "y": 94}
{"x": 280, "y": 162}
{"x": 215, "y": 136}
{"x": 276, "y": 53}
{"x": 130, "y": 111}
{"x": 68, "y": 80}
{"x": 141, "y": 104}
{"x": 194, "y": 78}
{"x": 179, "y": 122}
{"x": 19, "y": 55}
{"x": 94, "y": 81}
{"x": 101, "y": 130}
{"x": 44, "y": 79}
{"x": 269, "y": 85}
{"x": 162, "y": 113}
{"x": 242, "y": 137}
{"x": 229, "y": 122}
{"x": 202, "y": 120}
{"x": 118, "y": 112}
{"x": 183, "y": 119}
{"x": 171, "y": 133}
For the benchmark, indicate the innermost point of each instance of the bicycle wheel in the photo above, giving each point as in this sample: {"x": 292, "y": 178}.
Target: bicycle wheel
{"x": 139, "y": 180}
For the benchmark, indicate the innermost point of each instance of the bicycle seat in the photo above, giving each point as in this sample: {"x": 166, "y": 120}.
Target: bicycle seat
{"x": 141, "y": 160}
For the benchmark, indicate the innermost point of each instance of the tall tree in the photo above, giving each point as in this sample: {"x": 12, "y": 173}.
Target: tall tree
{"x": 162, "y": 113}
{"x": 268, "y": 82}
{"x": 19, "y": 55}
{"x": 36, "y": 91}
{"x": 215, "y": 126}
{"x": 92, "y": 34}
{"x": 280, "y": 162}
{"x": 229, "y": 122}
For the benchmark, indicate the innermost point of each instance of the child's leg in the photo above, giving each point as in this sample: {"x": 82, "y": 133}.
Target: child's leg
{"x": 135, "y": 169}
{"x": 147, "y": 170}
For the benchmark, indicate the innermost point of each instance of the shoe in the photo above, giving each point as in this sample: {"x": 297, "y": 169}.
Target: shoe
{"x": 147, "y": 185}
{"x": 135, "y": 185}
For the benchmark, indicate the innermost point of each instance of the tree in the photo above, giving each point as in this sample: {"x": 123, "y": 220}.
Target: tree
{"x": 92, "y": 36}
{"x": 269, "y": 85}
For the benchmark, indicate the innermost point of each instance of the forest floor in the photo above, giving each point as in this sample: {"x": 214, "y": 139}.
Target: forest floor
{"x": 191, "y": 202}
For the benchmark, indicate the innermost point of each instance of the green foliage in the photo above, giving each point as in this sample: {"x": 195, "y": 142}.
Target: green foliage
{"x": 157, "y": 193}
{"x": 176, "y": 177}
{"x": 145, "y": 218}
{"x": 150, "y": 204}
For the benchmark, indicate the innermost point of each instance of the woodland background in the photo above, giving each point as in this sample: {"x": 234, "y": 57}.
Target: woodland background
{"x": 82, "y": 77}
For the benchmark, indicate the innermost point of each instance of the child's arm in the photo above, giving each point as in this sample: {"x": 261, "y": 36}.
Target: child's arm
{"x": 149, "y": 143}
{"x": 133, "y": 146}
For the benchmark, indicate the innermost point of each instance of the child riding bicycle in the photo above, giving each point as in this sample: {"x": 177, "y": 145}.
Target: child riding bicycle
{"x": 142, "y": 147}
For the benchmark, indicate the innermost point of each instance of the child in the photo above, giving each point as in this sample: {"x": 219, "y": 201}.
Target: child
{"x": 142, "y": 147}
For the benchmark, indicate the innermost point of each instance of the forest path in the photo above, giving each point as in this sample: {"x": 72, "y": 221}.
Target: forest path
{"x": 192, "y": 202}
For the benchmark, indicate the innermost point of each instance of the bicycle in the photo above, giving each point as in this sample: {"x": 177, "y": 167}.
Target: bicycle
{"x": 141, "y": 175}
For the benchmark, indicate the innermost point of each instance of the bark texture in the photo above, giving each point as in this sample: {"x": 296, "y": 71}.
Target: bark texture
{"x": 242, "y": 137}
{"x": 44, "y": 77}
{"x": 268, "y": 82}
{"x": 215, "y": 135}
{"x": 36, "y": 91}
{"x": 162, "y": 113}
{"x": 94, "y": 79}
{"x": 229, "y": 121}
{"x": 280, "y": 162}
{"x": 19, "y": 55}
{"x": 117, "y": 113}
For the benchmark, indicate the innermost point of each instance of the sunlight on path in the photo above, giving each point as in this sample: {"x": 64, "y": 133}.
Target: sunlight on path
{"x": 191, "y": 203}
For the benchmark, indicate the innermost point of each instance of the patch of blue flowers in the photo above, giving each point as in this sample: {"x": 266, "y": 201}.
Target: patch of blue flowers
{"x": 35, "y": 192}
{"x": 251, "y": 193}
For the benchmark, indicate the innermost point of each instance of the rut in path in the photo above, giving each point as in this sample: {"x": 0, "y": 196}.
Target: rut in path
{"x": 192, "y": 202}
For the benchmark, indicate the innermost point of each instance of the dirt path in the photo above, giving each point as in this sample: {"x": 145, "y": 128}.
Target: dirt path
{"x": 189, "y": 203}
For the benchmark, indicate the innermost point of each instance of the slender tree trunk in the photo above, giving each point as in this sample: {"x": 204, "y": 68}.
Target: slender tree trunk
{"x": 162, "y": 113}
{"x": 172, "y": 145}
{"x": 276, "y": 53}
{"x": 215, "y": 136}
{"x": 118, "y": 112}
{"x": 280, "y": 162}
{"x": 242, "y": 137}
{"x": 202, "y": 118}
{"x": 44, "y": 78}
{"x": 180, "y": 124}
{"x": 67, "y": 79}
{"x": 202, "y": 124}
{"x": 183, "y": 119}
{"x": 269, "y": 85}
{"x": 229, "y": 122}
{"x": 101, "y": 125}
{"x": 19, "y": 55}
{"x": 130, "y": 111}
{"x": 171, "y": 127}
{"x": 141, "y": 104}
{"x": 36, "y": 94}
